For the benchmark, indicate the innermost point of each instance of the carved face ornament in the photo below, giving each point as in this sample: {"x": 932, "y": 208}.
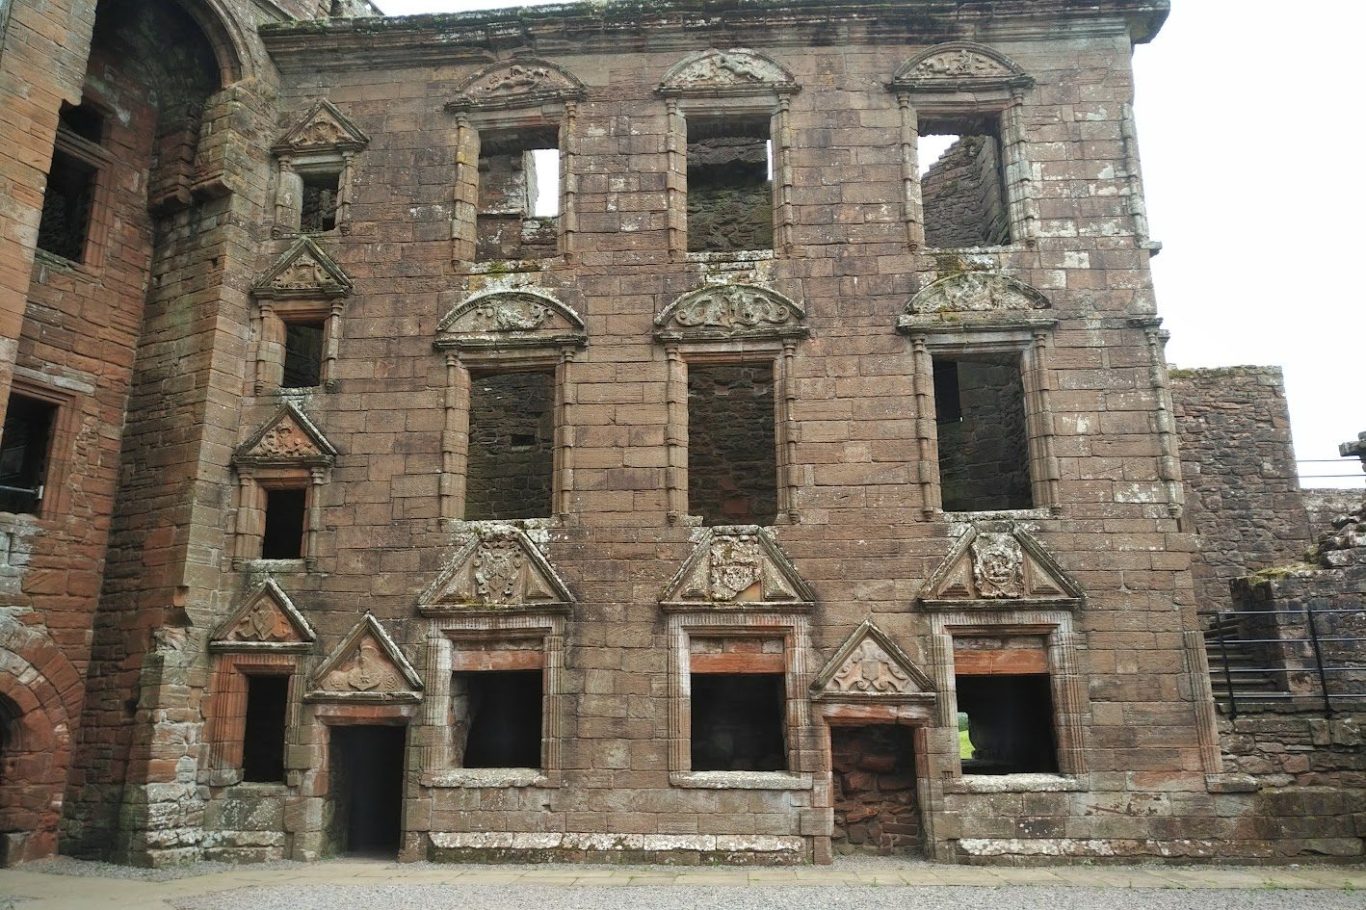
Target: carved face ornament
{"x": 736, "y": 564}
{"x": 997, "y": 566}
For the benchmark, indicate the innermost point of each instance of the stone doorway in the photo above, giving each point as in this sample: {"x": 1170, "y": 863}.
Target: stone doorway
{"x": 366, "y": 787}
{"x": 877, "y": 810}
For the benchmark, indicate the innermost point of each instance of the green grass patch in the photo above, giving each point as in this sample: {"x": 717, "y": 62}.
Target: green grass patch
{"x": 964, "y": 745}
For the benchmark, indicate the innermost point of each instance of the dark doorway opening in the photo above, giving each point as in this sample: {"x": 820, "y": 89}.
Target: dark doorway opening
{"x": 367, "y": 788}
{"x": 876, "y": 806}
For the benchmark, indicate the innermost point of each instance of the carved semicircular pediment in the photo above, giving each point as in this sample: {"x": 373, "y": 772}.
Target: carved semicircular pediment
{"x": 510, "y": 318}
{"x": 724, "y": 311}
{"x": 737, "y": 567}
{"x": 999, "y": 565}
{"x": 323, "y": 128}
{"x": 498, "y": 569}
{"x": 959, "y": 64}
{"x": 976, "y": 292}
{"x": 516, "y": 83}
{"x": 869, "y": 667}
{"x": 368, "y": 666}
{"x": 738, "y": 70}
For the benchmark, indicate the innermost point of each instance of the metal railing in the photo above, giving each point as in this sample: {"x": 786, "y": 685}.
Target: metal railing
{"x": 1307, "y": 657}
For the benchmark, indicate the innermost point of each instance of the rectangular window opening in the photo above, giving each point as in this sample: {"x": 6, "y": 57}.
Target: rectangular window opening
{"x": 321, "y": 194}
{"x": 286, "y": 510}
{"x": 730, "y": 185}
{"x": 983, "y": 442}
{"x": 303, "y": 354}
{"x": 25, "y": 448}
{"x": 510, "y": 469}
{"x": 732, "y": 449}
{"x": 962, "y": 183}
{"x": 737, "y": 722}
{"x": 84, "y": 120}
{"x": 1008, "y": 725}
{"x": 498, "y": 715}
{"x": 263, "y": 739}
{"x": 65, "y": 223}
{"x": 519, "y": 195}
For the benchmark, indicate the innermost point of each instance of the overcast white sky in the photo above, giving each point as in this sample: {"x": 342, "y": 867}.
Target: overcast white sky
{"x": 1250, "y": 125}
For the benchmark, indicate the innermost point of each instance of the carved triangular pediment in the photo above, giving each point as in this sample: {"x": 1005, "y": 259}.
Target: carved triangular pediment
{"x": 304, "y": 270}
{"x": 870, "y": 667}
{"x": 366, "y": 666}
{"x": 999, "y": 565}
{"x": 730, "y": 311}
{"x": 524, "y": 82}
{"x": 499, "y": 570}
{"x": 322, "y": 128}
{"x": 716, "y": 72}
{"x": 959, "y": 66}
{"x": 267, "y": 620}
{"x": 976, "y": 298}
{"x": 510, "y": 318}
{"x": 738, "y": 567}
{"x": 288, "y": 438}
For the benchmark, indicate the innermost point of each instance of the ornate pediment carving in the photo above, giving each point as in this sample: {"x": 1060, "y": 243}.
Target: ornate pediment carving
{"x": 726, "y": 311}
{"x": 739, "y": 567}
{"x": 288, "y": 438}
{"x": 869, "y": 667}
{"x": 303, "y": 271}
{"x": 728, "y": 72}
{"x": 959, "y": 66}
{"x": 524, "y": 82}
{"x": 323, "y": 129}
{"x": 999, "y": 564}
{"x": 267, "y": 620}
{"x": 510, "y": 318}
{"x": 366, "y": 666}
{"x": 498, "y": 569}
{"x": 969, "y": 299}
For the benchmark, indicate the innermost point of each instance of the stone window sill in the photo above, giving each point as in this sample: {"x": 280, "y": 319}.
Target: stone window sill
{"x": 740, "y": 780}
{"x": 727, "y": 256}
{"x": 490, "y": 777}
{"x": 1003, "y": 514}
{"x": 1016, "y": 783}
{"x": 274, "y": 566}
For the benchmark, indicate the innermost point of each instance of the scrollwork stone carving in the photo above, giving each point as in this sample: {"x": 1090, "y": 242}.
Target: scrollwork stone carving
{"x": 871, "y": 670}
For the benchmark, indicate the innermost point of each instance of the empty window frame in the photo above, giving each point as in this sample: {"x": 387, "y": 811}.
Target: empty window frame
{"x": 69, "y": 203}
{"x": 730, "y": 184}
{"x": 285, "y": 522}
{"x": 1009, "y": 723}
{"x": 263, "y": 737}
{"x": 732, "y": 445}
{"x": 319, "y": 199}
{"x": 304, "y": 352}
{"x": 962, "y": 182}
{"x": 297, "y": 345}
{"x": 737, "y": 722}
{"x": 518, "y": 195}
{"x": 25, "y": 451}
{"x": 983, "y": 446}
{"x": 510, "y": 466}
{"x": 497, "y": 718}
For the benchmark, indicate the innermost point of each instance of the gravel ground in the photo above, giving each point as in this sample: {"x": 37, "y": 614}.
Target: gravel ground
{"x": 80, "y": 868}
{"x": 767, "y": 897}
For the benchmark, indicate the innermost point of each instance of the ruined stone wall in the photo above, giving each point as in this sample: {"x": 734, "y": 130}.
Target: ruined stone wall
{"x": 1326, "y": 506}
{"x": 964, "y": 202}
{"x": 1238, "y": 465}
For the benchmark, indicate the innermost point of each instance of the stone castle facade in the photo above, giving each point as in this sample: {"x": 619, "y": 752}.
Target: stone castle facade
{"x": 589, "y": 432}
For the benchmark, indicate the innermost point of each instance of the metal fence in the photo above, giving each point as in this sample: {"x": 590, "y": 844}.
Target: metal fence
{"x": 1307, "y": 658}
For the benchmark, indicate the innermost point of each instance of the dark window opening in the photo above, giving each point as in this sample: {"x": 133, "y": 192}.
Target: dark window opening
{"x": 24, "y": 452}
{"x": 320, "y": 199}
{"x": 510, "y": 468}
{"x": 876, "y": 805}
{"x": 84, "y": 120}
{"x": 65, "y": 222}
{"x": 9, "y": 720}
{"x": 730, "y": 185}
{"x": 737, "y": 722}
{"x": 519, "y": 195}
{"x": 263, "y": 739}
{"x": 963, "y": 190}
{"x": 732, "y": 452}
{"x": 303, "y": 355}
{"x": 500, "y": 712}
{"x": 1010, "y": 724}
{"x": 284, "y": 530}
{"x": 365, "y": 788}
{"x": 983, "y": 440}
